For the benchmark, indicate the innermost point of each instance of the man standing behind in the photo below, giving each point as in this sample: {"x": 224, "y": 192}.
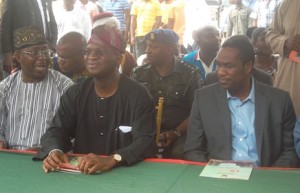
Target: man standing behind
{"x": 107, "y": 114}
{"x": 30, "y": 97}
{"x": 166, "y": 76}
{"x": 121, "y": 10}
{"x": 284, "y": 37}
{"x": 238, "y": 19}
{"x": 70, "y": 50}
{"x": 71, "y": 18}
{"x": 176, "y": 20}
{"x": 239, "y": 118}
{"x": 16, "y": 14}
{"x": 145, "y": 16}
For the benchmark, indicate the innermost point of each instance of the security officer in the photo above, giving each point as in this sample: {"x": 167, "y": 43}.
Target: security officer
{"x": 166, "y": 76}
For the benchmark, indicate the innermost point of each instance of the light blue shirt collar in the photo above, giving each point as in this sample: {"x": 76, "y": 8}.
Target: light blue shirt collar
{"x": 251, "y": 95}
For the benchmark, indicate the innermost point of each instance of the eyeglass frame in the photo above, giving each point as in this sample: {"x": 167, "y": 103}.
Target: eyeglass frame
{"x": 37, "y": 53}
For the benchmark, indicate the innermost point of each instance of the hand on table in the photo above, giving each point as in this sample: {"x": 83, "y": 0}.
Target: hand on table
{"x": 53, "y": 160}
{"x": 92, "y": 163}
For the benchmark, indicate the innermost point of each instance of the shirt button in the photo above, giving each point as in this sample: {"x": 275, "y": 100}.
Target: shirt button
{"x": 101, "y": 117}
{"x": 240, "y": 122}
{"x": 101, "y": 98}
{"x": 159, "y": 92}
{"x": 241, "y": 139}
{"x": 176, "y": 93}
{"x": 101, "y": 134}
{"x": 160, "y": 78}
{"x": 240, "y": 155}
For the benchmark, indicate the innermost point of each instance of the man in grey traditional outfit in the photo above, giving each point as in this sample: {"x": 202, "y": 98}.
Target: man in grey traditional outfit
{"x": 29, "y": 97}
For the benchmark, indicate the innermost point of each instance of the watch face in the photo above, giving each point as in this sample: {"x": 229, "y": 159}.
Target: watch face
{"x": 117, "y": 157}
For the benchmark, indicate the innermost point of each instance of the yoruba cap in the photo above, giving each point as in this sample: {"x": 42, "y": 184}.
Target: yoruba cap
{"x": 163, "y": 36}
{"x": 28, "y": 36}
{"x": 109, "y": 37}
{"x": 105, "y": 18}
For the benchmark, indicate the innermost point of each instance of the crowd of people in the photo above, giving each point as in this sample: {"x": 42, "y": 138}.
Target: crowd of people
{"x": 83, "y": 78}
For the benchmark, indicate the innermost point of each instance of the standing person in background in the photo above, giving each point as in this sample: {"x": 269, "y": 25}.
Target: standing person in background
{"x": 16, "y": 14}
{"x": 145, "y": 16}
{"x": 89, "y": 6}
{"x": 197, "y": 15}
{"x": 166, "y": 7}
{"x": 238, "y": 19}
{"x": 176, "y": 22}
{"x": 283, "y": 37}
{"x": 263, "y": 12}
{"x": 71, "y": 18}
{"x": 121, "y": 10}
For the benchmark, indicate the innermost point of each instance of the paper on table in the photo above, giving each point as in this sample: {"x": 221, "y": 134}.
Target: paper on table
{"x": 71, "y": 167}
{"x": 227, "y": 169}
{"x": 125, "y": 129}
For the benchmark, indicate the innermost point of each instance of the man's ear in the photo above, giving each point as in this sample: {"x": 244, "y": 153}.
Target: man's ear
{"x": 248, "y": 67}
{"x": 17, "y": 56}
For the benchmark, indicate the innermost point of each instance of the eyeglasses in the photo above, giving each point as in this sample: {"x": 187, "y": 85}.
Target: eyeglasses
{"x": 97, "y": 52}
{"x": 36, "y": 53}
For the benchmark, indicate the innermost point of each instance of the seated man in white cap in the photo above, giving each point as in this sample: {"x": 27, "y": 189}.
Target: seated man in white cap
{"x": 96, "y": 112}
{"x": 106, "y": 18}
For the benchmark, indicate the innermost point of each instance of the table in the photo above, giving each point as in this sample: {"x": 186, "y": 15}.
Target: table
{"x": 19, "y": 174}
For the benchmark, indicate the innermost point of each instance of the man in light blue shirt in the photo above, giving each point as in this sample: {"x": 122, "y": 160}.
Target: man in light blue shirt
{"x": 297, "y": 136}
{"x": 243, "y": 130}
{"x": 239, "y": 118}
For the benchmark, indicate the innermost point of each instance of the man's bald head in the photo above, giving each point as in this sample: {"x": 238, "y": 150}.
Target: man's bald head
{"x": 70, "y": 49}
{"x": 73, "y": 38}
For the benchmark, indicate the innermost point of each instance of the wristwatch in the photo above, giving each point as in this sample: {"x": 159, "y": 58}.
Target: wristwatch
{"x": 117, "y": 157}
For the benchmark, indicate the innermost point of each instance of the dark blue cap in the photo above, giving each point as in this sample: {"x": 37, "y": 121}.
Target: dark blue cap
{"x": 163, "y": 36}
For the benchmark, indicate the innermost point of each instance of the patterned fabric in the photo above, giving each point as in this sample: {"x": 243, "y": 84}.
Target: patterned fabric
{"x": 28, "y": 36}
{"x": 110, "y": 37}
{"x": 26, "y": 109}
{"x": 146, "y": 13}
{"x": 117, "y": 7}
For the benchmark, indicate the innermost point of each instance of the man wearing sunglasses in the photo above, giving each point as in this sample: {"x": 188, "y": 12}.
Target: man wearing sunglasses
{"x": 29, "y": 97}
